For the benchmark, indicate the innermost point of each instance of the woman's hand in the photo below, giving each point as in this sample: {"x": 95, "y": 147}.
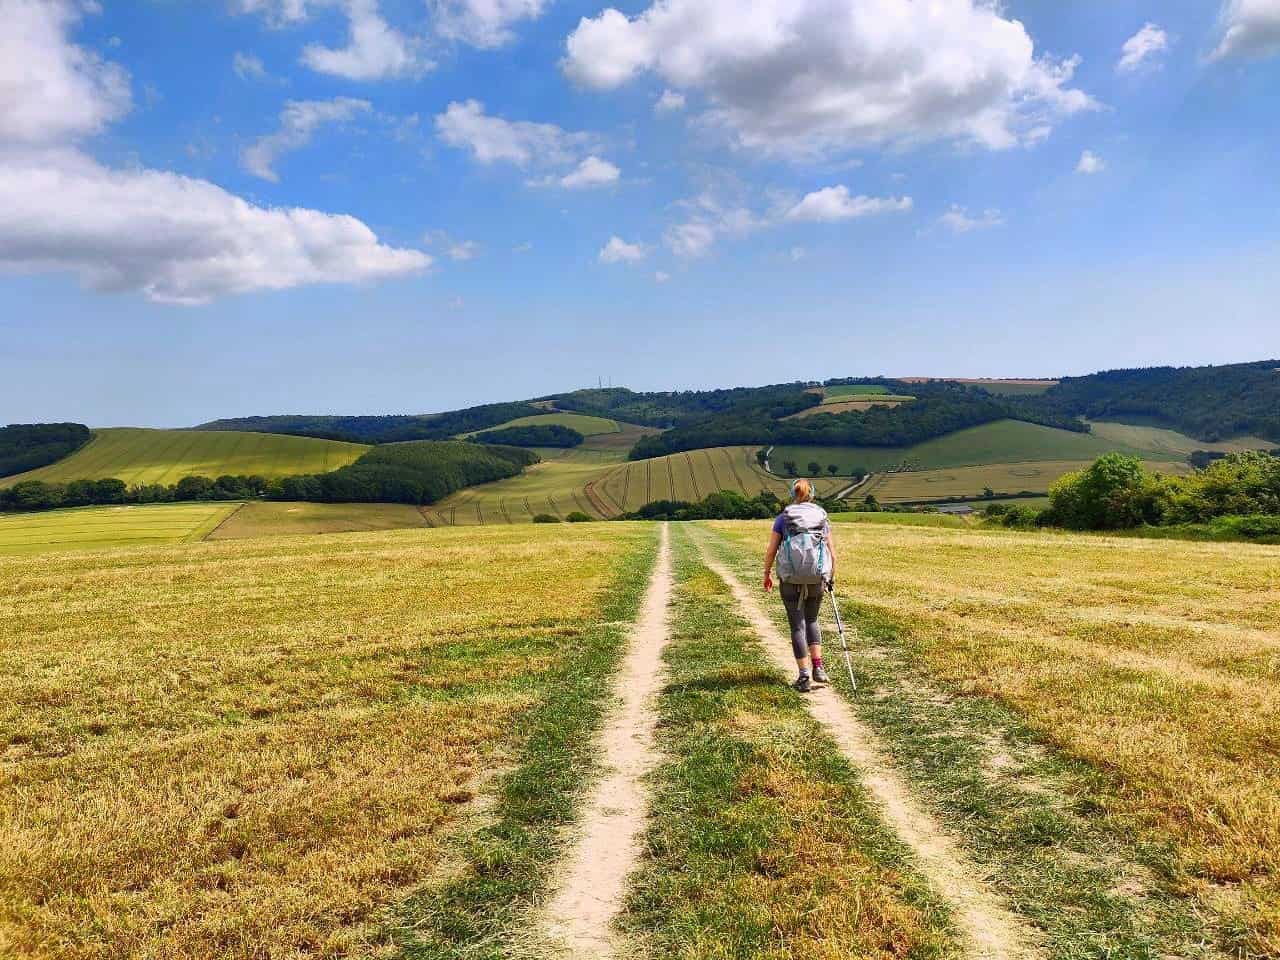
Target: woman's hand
{"x": 768, "y": 581}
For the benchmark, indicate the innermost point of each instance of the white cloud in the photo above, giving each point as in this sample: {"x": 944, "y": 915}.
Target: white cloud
{"x": 463, "y": 250}
{"x": 806, "y": 77}
{"x": 1250, "y": 30}
{"x": 491, "y": 139}
{"x": 957, "y": 220}
{"x": 455, "y": 302}
{"x": 249, "y": 67}
{"x": 173, "y": 238}
{"x": 591, "y": 172}
{"x": 277, "y": 12}
{"x": 835, "y": 203}
{"x": 299, "y": 121}
{"x": 524, "y": 247}
{"x": 661, "y": 276}
{"x": 691, "y": 239}
{"x": 1145, "y": 45}
{"x": 1090, "y": 163}
{"x": 797, "y": 254}
{"x": 618, "y": 250}
{"x": 669, "y": 102}
{"x": 374, "y": 50}
{"x": 483, "y": 23}
{"x": 52, "y": 91}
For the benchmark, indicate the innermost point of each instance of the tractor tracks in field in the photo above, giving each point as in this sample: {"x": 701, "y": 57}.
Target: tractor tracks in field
{"x": 579, "y": 918}
{"x": 990, "y": 929}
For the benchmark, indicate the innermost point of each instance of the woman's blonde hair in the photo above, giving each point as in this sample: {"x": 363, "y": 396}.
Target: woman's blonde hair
{"x": 801, "y": 491}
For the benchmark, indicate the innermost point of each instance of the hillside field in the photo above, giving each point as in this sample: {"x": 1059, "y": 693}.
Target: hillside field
{"x": 563, "y": 485}
{"x": 138, "y": 455}
{"x": 86, "y": 528}
{"x": 1005, "y": 441}
{"x": 1034, "y": 476}
{"x": 586, "y": 425}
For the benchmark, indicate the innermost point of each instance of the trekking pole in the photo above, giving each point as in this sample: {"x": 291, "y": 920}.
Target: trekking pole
{"x": 848, "y": 661}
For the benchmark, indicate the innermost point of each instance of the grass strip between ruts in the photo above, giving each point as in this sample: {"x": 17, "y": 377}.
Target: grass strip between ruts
{"x": 481, "y": 914}
{"x": 1025, "y": 812}
{"x": 762, "y": 842}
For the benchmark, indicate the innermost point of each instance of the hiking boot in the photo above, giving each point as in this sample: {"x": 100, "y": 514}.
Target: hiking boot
{"x": 802, "y": 684}
{"x": 820, "y": 675}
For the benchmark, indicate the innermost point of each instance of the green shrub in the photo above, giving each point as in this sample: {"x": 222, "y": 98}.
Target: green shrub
{"x": 546, "y": 518}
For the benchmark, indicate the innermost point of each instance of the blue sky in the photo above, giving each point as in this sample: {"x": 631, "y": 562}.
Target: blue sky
{"x": 359, "y": 206}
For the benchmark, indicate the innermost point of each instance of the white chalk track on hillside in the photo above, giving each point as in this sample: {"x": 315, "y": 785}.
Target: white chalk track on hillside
{"x": 991, "y": 930}
{"x": 579, "y": 919}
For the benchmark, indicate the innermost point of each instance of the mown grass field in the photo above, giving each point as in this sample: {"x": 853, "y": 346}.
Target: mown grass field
{"x": 137, "y": 455}
{"x": 88, "y": 528}
{"x": 1171, "y": 443}
{"x": 262, "y": 518}
{"x": 603, "y": 490}
{"x": 586, "y": 425}
{"x": 1099, "y": 716}
{"x": 1032, "y": 476}
{"x": 264, "y": 749}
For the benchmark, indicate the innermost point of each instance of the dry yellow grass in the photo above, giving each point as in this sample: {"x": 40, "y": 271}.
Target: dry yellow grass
{"x": 1034, "y": 476}
{"x": 253, "y": 749}
{"x": 1155, "y": 661}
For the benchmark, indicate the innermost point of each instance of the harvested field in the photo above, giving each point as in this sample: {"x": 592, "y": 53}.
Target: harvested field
{"x": 1034, "y": 477}
{"x": 260, "y": 749}
{"x": 261, "y": 518}
{"x": 87, "y": 528}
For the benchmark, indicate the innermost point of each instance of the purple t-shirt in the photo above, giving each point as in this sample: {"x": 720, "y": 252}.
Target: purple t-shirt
{"x": 780, "y": 527}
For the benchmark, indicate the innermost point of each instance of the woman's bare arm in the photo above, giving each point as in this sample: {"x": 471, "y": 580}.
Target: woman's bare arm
{"x": 775, "y": 540}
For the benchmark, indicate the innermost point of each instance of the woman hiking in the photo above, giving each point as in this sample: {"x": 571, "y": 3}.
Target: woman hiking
{"x": 801, "y": 546}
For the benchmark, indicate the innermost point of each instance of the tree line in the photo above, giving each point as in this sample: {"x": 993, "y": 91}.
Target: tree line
{"x": 417, "y": 473}
{"x": 1117, "y": 492}
{"x": 383, "y": 428}
{"x": 532, "y": 435}
{"x": 29, "y": 446}
{"x": 1209, "y": 403}
{"x": 940, "y": 409}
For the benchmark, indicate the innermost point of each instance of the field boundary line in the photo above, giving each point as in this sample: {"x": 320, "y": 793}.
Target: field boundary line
{"x": 579, "y": 917}
{"x": 990, "y": 929}
{"x": 220, "y": 524}
{"x": 693, "y": 476}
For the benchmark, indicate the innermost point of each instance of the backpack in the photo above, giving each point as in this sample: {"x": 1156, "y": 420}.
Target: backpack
{"x": 804, "y": 556}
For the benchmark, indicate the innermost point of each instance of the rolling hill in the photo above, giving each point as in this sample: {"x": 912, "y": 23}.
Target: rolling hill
{"x": 137, "y": 455}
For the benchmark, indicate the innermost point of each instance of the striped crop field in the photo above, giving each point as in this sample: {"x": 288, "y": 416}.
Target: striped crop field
{"x": 85, "y": 528}
{"x": 138, "y": 455}
{"x": 560, "y": 487}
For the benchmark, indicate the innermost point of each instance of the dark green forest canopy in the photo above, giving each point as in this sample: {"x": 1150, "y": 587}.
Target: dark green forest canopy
{"x": 532, "y": 435}
{"x": 940, "y": 408}
{"x": 28, "y": 446}
{"x": 677, "y": 408}
{"x": 1209, "y": 403}
{"x": 383, "y": 428}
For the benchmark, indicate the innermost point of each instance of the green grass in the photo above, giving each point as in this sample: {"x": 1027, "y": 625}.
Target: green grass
{"x": 851, "y": 390}
{"x": 1005, "y": 441}
{"x": 137, "y": 455}
{"x": 762, "y": 840}
{"x": 1095, "y": 888}
{"x": 1170, "y": 444}
{"x": 504, "y": 869}
{"x": 86, "y": 528}
{"x": 586, "y": 425}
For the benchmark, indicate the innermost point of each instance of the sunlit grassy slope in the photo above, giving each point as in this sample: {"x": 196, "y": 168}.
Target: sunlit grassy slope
{"x": 264, "y": 518}
{"x": 568, "y": 484}
{"x": 259, "y": 749}
{"x": 86, "y": 528}
{"x": 1154, "y": 662}
{"x": 137, "y": 455}
{"x": 586, "y": 425}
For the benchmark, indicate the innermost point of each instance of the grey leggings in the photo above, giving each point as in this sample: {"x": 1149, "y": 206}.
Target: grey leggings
{"x": 803, "y": 604}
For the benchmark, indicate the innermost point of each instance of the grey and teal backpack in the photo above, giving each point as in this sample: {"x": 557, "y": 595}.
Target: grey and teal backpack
{"x": 804, "y": 556}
